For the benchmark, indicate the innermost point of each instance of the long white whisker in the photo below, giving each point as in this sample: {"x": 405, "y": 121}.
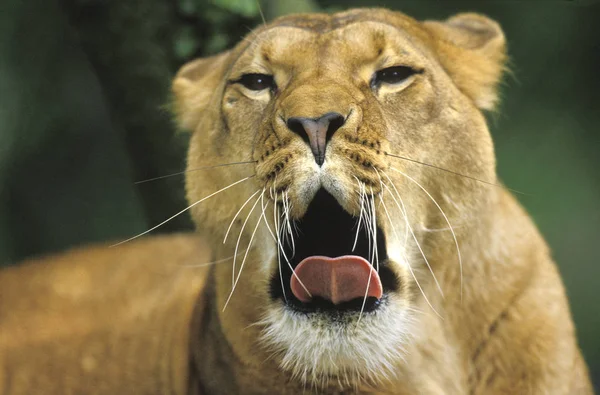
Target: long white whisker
{"x": 183, "y": 211}
{"x": 263, "y": 206}
{"x": 374, "y": 256}
{"x": 289, "y": 227}
{"x": 412, "y": 273}
{"x": 262, "y": 16}
{"x": 196, "y": 169}
{"x": 367, "y": 219}
{"x": 193, "y": 265}
{"x": 260, "y": 217}
{"x": 360, "y": 217}
{"x": 280, "y": 231}
{"x": 255, "y": 228}
{"x": 237, "y": 244}
{"x": 281, "y": 220}
{"x": 276, "y": 224}
{"x": 276, "y": 238}
{"x": 283, "y": 228}
{"x": 403, "y": 252}
{"x": 387, "y": 213}
{"x": 255, "y": 40}
{"x": 414, "y": 236}
{"x": 447, "y": 221}
{"x": 238, "y": 213}
{"x": 374, "y": 228}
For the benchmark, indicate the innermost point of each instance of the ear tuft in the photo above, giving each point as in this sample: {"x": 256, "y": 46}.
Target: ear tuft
{"x": 472, "y": 49}
{"x": 194, "y": 87}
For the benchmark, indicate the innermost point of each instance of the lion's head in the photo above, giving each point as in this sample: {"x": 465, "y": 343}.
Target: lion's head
{"x": 339, "y": 120}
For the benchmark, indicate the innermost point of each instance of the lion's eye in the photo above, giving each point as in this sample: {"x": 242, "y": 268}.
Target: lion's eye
{"x": 257, "y": 82}
{"x": 392, "y": 75}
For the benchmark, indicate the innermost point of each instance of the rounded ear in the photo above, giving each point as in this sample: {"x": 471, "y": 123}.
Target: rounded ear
{"x": 472, "y": 49}
{"x": 194, "y": 87}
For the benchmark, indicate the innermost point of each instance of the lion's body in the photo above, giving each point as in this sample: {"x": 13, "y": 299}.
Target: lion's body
{"x": 476, "y": 304}
{"x": 101, "y": 320}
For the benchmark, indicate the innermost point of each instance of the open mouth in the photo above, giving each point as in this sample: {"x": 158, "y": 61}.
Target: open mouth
{"x": 335, "y": 269}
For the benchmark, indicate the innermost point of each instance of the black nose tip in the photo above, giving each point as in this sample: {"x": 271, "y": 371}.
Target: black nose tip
{"x": 317, "y": 131}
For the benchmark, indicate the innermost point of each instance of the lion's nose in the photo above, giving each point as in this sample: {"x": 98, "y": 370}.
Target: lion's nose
{"x": 317, "y": 131}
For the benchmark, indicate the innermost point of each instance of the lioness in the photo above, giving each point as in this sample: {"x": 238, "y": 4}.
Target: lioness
{"x": 360, "y": 240}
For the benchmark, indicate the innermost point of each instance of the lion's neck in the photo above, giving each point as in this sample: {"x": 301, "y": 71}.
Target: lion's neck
{"x": 211, "y": 369}
{"x": 216, "y": 368}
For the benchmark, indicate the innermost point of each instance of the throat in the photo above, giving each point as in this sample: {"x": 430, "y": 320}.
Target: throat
{"x": 213, "y": 365}
{"x": 219, "y": 364}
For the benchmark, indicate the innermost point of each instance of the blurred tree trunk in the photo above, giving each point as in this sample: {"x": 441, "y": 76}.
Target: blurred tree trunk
{"x": 65, "y": 177}
{"x": 129, "y": 44}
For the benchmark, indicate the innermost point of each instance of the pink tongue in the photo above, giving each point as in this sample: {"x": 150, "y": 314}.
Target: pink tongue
{"x": 338, "y": 279}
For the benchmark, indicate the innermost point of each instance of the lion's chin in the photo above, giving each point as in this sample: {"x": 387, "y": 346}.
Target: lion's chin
{"x": 320, "y": 349}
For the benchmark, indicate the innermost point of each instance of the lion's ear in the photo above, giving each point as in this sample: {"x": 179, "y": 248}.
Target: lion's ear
{"x": 472, "y": 49}
{"x": 194, "y": 87}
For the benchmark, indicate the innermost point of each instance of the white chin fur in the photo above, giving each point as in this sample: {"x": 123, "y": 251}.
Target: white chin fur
{"x": 321, "y": 351}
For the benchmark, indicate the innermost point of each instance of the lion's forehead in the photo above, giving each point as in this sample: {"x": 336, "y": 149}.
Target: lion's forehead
{"x": 323, "y": 23}
{"x": 360, "y": 42}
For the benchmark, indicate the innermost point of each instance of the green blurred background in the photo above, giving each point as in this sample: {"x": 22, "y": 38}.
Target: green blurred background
{"x": 84, "y": 93}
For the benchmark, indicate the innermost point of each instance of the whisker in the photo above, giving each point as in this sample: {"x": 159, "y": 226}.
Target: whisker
{"x": 362, "y": 208}
{"x": 260, "y": 217}
{"x": 383, "y": 185}
{"x": 263, "y": 206}
{"x": 385, "y": 208}
{"x": 289, "y": 227}
{"x": 296, "y": 228}
{"x": 367, "y": 219}
{"x": 184, "y": 210}
{"x": 454, "y": 172}
{"x": 412, "y": 273}
{"x": 237, "y": 244}
{"x": 238, "y": 213}
{"x": 254, "y": 38}
{"x": 276, "y": 238}
{"x": 447, "y": 221}
{"x": 262, "y": 16}
{"x": 194, "y": 265}
{"x": 435, "y": 230}
{"x": 280, "y": 231}
{"x": 276, "y": 224}
{"x": 196, "y": 169}
{"x": 413, "y": 233}
{"x": 374, "y": 228}
{"x": 374, "y": 256}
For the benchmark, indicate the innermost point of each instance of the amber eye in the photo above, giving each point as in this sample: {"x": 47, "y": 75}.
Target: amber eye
{"x": 257, "y": 82}
{"x": 392, "y": 75}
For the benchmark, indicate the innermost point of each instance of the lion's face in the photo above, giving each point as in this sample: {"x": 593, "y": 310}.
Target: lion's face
{"x": 322, "y": 107}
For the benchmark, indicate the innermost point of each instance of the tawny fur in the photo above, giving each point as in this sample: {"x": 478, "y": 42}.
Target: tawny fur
{"x": 101, "y": 320}
{"x": 502, "y": 327}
